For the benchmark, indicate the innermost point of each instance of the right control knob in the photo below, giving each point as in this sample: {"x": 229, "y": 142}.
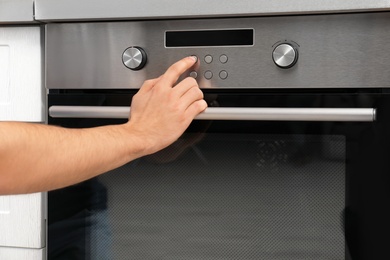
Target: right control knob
{"x": 285, "y": 55}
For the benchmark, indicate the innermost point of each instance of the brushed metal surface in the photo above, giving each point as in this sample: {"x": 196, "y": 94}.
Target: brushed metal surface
{"x": 13, "y": 11}
{"x": 53, "y": 10}
{"x": 335, "y": 51}
{"x": 230, "y": 113}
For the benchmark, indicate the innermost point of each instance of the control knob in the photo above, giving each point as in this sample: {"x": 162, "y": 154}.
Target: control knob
{"x": 134, "y": 58}
{"x": 285, "y": 55}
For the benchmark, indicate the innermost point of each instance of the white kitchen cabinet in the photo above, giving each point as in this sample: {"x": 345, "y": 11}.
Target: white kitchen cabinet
{"x": 22, "y": 217}
{"x": 22, "y": 221}
{"x": 21, "y": 66}
{"x": 22, "y": 253}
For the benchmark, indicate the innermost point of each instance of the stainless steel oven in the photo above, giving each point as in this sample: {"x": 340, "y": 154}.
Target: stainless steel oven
{"x": 290, "y": 161}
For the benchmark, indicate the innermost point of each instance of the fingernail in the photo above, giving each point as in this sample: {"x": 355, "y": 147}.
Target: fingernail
{"x": 194, "y": 58}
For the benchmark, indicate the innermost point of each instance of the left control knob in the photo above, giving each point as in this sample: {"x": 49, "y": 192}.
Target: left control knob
{"x": 134, "y": 58}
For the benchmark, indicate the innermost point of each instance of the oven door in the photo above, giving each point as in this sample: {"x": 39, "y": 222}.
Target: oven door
{"x": 260, "y": 175}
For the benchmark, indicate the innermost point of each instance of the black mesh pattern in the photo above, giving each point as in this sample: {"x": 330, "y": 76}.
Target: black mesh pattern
{"x": 228, "y": 197}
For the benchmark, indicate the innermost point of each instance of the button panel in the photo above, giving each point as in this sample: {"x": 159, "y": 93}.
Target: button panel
{"x": 217, "y": 64}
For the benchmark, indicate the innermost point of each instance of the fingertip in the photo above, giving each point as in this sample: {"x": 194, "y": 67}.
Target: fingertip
{"x": 177, "y": 69}
{"x": 193, "y": 58}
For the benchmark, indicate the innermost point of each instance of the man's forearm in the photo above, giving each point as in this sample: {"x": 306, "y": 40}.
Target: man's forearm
{"x": 39, "y": 157}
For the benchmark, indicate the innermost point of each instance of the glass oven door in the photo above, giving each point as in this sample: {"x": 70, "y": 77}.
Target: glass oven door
{"x": 288, "y": 186}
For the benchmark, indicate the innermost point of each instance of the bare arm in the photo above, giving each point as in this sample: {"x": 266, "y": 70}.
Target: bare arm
{"x": 38, "y": 157}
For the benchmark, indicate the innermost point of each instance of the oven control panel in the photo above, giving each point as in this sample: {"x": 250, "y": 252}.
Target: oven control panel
{"x": 311, "y": 51}
{"x": 285, "y": 56}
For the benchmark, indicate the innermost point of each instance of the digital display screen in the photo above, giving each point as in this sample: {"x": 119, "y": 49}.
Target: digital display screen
{"x": 204, "y": 38}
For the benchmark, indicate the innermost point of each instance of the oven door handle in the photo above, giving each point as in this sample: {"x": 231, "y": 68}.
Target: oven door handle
{"x": 231, "y": 113}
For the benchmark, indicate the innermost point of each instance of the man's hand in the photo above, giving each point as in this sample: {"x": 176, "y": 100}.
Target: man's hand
{"x": 36, "y": 157}
{"x": 163, "y": 109}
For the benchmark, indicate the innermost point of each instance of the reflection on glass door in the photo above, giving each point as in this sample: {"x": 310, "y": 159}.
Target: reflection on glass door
{"x": 224, "y": 196}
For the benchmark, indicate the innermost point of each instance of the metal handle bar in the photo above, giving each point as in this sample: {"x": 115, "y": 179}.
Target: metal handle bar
{"x": 231, "y": 113}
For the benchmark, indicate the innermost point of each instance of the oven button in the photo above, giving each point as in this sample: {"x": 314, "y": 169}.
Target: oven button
{"x": 134, "y": 58}
{"x": 208, "y": 74}
{"x": 285, "y": 55}
{"x": 223, "y": 58}
{"x": 208, "y": 59}
{"x": 193, "y": 74}
{"x": 223, "y": 74}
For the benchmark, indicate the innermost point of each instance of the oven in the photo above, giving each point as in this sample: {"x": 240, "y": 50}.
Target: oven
{"x": 289, "y": 161}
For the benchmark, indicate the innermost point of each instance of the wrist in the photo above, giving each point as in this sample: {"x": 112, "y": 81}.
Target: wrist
{"x": 136, "y": 144}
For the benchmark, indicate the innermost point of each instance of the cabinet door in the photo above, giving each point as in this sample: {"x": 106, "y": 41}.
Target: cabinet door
{"x": 11, "y": 253}
{"x": 22, "y": 221}
{"x": 21, "y": 66}
{"x": 22, "y": 217}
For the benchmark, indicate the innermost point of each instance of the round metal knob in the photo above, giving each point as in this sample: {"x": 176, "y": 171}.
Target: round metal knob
{"x": 285, "y": 55}
{"x": 134, "y": 58}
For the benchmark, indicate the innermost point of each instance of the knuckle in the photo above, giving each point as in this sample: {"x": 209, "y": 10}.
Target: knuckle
{"x": 177, "y": 109}
{"x": 194, "y": 91}
{"x": 159, "y": 90}
{"x": 201, "y": 105}
{"x": 171, "y": 96}
{"x": 197, "y": 92}
{"x": 148, "y": 82}
{"x": 191, "y": 81}
{"x": 200, "y": 93}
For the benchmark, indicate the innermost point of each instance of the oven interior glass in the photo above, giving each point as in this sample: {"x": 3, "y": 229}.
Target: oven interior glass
{"x": 219, "y": 196}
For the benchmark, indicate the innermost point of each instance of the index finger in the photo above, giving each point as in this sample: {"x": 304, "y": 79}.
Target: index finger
{"x": 174, "y": 71}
